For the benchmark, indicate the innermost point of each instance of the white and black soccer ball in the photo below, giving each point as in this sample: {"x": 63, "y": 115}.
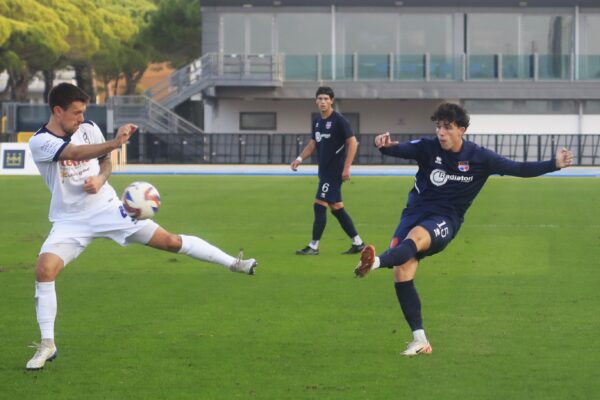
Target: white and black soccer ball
{"x": 141, "y": 200}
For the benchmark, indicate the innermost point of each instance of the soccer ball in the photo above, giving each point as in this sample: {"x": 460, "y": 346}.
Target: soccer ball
{"x": 141, "y": 200}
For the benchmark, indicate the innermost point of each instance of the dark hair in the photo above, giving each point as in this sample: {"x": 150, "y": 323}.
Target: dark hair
{"x": 449, "y": 112}
{"x": 64, "y": 94}
{"x": 325, "y": 90}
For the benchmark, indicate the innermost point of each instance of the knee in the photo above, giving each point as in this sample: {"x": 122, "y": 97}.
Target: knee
{"x": 173, "y": 243}
{"x": 45, "y": 272}
{"x": 420, "y": 237}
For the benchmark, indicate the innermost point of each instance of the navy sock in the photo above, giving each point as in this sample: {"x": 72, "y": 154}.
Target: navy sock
{"x": 410, "y": 303}
{"x": 319, "y": 222}
{"x": 398, "y": 255}
{"x": 345, "y": 221}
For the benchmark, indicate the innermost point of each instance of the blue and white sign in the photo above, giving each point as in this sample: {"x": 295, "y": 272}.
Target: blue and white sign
{"x": 16, "y": 159}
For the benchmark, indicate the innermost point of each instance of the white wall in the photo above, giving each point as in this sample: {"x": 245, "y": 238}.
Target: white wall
{"x": 396, "y": 116}
{"x": 537, "y": 124}
{"x": 590, "y": 124}
{"x": 294, "y": 116}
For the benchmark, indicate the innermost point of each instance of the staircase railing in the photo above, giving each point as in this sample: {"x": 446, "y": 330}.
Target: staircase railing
{"x": 149, "y": 115}
{"x": 225, "y": 69}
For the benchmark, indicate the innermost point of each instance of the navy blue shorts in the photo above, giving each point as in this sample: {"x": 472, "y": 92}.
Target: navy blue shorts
{"x": 329, "y": 190}
{"x": 440, "y": 229}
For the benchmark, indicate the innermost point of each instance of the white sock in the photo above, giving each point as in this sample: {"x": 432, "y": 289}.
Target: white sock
{"x": 45, "y": 308}
{"x": 314, "y": 244}
{"x": 419, "y": 335}
{"x": 356, "y": 240}
{"x": 376, "y": 263}
{"x": 201, "y": 250}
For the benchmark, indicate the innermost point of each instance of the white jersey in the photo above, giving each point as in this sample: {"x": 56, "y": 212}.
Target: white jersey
{"x": 65, "y": 178}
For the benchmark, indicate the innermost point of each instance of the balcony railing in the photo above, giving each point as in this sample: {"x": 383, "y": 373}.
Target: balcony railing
{"x": 430, "y": 67}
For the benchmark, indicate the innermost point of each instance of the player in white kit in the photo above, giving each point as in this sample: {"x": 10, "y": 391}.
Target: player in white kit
{"x": 73, "y": 159}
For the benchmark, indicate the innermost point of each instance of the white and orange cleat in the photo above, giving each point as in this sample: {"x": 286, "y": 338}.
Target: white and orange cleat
{"x": 417, "y": 347}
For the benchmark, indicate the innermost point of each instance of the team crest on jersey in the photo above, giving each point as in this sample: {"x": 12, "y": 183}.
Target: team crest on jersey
{"x": 463, "y": 166}
{"x": 328, "y": 125}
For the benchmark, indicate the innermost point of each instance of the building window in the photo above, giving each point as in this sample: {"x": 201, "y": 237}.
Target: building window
{"x": 258, "y": 121}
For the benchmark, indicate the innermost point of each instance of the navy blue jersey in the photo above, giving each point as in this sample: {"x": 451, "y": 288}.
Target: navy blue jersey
{"x": 331, "y": 134}
{"x": 447, "y": 183}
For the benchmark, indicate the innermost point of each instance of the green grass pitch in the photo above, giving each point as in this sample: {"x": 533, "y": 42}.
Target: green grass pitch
{"x": 510, "y": 307}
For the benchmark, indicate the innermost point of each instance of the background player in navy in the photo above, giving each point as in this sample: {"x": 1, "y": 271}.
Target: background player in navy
{"x": 336, "y": 147}
{"x": 451, "y": 173}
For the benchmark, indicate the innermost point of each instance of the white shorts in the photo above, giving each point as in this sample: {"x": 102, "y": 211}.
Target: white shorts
{"x": 69, "y": 238}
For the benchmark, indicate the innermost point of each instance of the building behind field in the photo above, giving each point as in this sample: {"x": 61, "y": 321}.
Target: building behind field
{"x": 517, "y": 66}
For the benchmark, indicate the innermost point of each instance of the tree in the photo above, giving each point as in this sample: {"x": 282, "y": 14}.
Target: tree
{"x": 128, "y": 52}
{"x": 175, "y": 31}
{"x": 36, "y": 40}
{"x": 81, "y": 38}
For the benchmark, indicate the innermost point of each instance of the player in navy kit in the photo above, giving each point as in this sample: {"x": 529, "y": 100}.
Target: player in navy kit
{"x": 336, "y": 147}
{"x": 451, "y": 173}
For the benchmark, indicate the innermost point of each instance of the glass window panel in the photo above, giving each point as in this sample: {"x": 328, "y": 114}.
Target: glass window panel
{"x": 260, "y": 26}
{"x": 554, "y": 66}
{"x": 420, "y": 34}
{"x": 344, "y": 67}
{"x": 589, "y": 66}
{"x": 301, "y": 67}
{"x": 442, "y": 66}
{"x": 409, "y": 66}
{"x": 372, "y": 66}
{"x": 304, "y": 33}
{"x": 546, "y": 34}
{"x": 517, "y": 66}
{"x": 589, "y": 60}
{"x": 482, "y": 66}
{"x": 233, "y": 33}
{"x": 365, "y": 33}
{"x": 493, "y": 33}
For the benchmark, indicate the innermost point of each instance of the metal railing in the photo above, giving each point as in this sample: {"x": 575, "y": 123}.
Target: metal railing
{"x": 283, "y": 148}
{"x": 147, "y": 114}
{"x": 257, "y": 69}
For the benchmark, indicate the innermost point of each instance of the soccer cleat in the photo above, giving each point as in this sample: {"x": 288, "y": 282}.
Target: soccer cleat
{"x": 367, "y": 258}
{"x": 244, "y": 266}
{"x": 46, "y": 351}
{"x": 417, "y": 347}
{"x": 308, "y": 251}
{"x": 355, "y": 248}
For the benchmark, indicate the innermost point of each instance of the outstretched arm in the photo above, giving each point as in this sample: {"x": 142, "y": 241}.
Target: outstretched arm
{"x": 87, "y": 151}
{"x": 306, "y": 152}
{"x": 384, "y": 140}
{"x": 504, "y": 166}
{"x": 393, "y": 148}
